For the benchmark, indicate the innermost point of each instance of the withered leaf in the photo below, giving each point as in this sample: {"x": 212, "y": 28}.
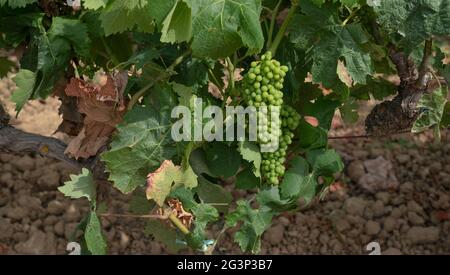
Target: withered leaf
{"x": 103, "y": 107}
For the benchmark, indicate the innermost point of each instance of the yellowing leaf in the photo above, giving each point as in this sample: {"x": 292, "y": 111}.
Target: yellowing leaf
{"x": 168, "y": 175}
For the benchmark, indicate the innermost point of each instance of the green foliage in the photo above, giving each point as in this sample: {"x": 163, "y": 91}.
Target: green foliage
{"x": 17, "y": 3}
{"x": 5, "y": 66}
{"x": 142, "y": 143}
{"x": 93, "y": 235}
{"x": 25, "y": 81}
{"x": 254, "y": 223}
{"x": 331, "y": 40}
{"x": 412, "y": 22}
{"x": 162, "y": 232}
{"x": 432, "y": 106}
{"x": 250, "y": 152}
{"x": 222, "y": 160}
{"x": 80, "y": 186}
{"x": 230, "y": 24}
{"x": 333, "y": 54}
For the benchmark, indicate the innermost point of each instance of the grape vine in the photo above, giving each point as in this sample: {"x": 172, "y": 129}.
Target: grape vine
{"x": 122, "y": 68}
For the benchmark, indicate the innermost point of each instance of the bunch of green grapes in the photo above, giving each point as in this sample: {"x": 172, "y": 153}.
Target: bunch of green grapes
{"x": 263, "y": 87}
{"x": 264, "y": 82}
{"x": 273, "y": 163}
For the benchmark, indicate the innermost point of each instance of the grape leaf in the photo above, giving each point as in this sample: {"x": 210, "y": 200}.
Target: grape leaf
{"x": 432, "y": 110}
{"x": 349, "y": 111}
{"x": 50, "y": 53}
{"x": 250, "y": 152}
{"x": 246, "y": 178}
{"x": 143, "y": 141}
{"x": 164, "y": 233}
{"x": 94, "y": 4}
{"x": 270, "y": 197}
{"x": 79, "y": 186}
{"x": 72, "y": 30}
{"x": 17, "y": 3}
{"x": 331, "y": 40}
{"x": 159, "y": 183}
{"x": 166, "y": 177}
{"x": 119, "y": 16}
{"x": 377, "y": 87}
{"x": 255, "y": 222}
{"x": 139, "y": 204}
{"x": 220, "y": 27}
{"x": 214, "y": 194}
{"x": 197, "y": 161}
{"x": 5, "y": 66}
{"x": 93, "y": 235}
{"x": 204, "y": 214}
{"x": 294, "y": 178}
{"x": 299, "y": 182}
{"x": 324, "y": 162}
{"x": 222, "y": 160}
{"x": 177, "y": 27}
{"x": 414, "y": 20}
{"x": 25, "y": 81}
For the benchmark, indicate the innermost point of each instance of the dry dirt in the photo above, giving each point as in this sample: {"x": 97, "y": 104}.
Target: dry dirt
{"x": 394, "y": 191}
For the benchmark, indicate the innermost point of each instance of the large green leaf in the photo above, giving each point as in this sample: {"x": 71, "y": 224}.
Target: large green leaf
{"x": 414, "y": 20}
{"x": 177, "y": 27}
{"x": 330, "y": 41}
{"x": 142, "y": 143}
{"x": 119, "y": 16}
{"x": 74, "y": 31}
{"x": 246, "y": 179}
{"x": 220, "y": 27}
{"x": 222, "y": 160}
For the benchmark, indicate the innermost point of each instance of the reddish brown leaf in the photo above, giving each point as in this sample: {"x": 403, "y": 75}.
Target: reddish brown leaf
{"x": 216, "y": 91}
{"x": 103, "y": 105}
{"x": 178, "y": 210}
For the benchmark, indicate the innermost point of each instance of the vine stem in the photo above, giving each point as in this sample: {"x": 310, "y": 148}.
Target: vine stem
{"x": 423, "y": 68}
{"x": 231, "y": 82}
{"x": 134, "y": 99}
{"x": 178, "y": 224}
{"x": 169, "y": 216}
{"x": 272, "y": 24}
{"x": 352, "y": 14}
{"x": 283, "y": 28}
{"x": 160, "y": 217}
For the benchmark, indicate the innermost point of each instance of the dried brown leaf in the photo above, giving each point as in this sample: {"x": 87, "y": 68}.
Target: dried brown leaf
{"x": 103, "y": 107}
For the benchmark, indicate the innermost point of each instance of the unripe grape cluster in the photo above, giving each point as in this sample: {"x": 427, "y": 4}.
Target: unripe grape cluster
{"x": 264, "y": 82}
{"x": 263, "y": 87}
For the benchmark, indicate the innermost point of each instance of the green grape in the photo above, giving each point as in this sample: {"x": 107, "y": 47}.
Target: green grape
{"x": 263, "y": 87}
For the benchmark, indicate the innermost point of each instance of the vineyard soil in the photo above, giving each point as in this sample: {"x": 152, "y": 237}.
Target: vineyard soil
{"x": 410, "y": 215}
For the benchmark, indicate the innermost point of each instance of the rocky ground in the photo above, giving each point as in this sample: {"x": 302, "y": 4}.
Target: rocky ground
{"x": 394, "y": 191}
